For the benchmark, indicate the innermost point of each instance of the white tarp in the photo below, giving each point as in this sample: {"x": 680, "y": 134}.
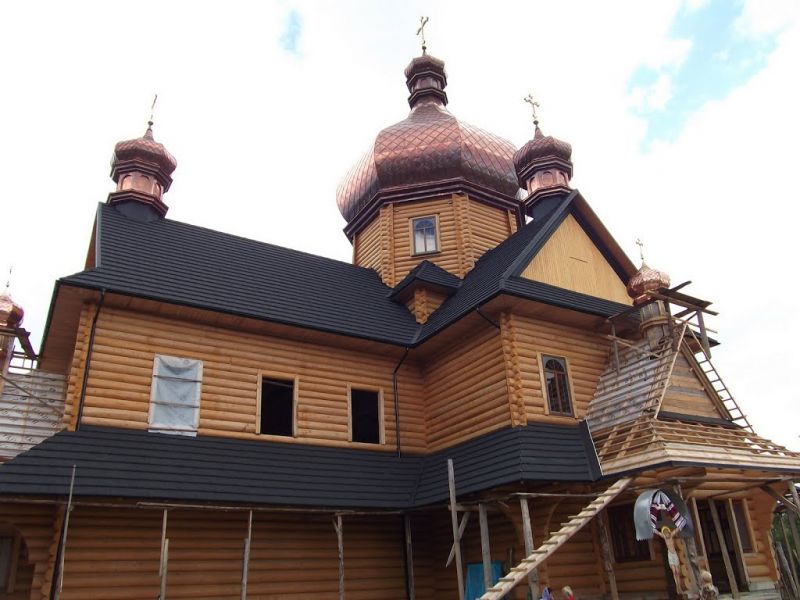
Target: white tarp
{"x": 175, "y": 394}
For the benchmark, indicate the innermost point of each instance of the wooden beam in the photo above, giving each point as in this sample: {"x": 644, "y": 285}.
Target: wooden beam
{"x": 724, "y": 549}
{"x": 792, "y": 563}
{"x": 741, "y": 565}
{"x": 63, "y": 547}
{"x": 527, "y": 531}
{"x": 246, "y": 560}
{"x": 164, "y": 559}
{"x": 409, "y": 557}
{"x": 337, "y": 524}
{"x": 486, "y": 551}
{"x": 793, "y": 584}
{"x": 781, "y": 499}
{"x": 616, "y": 348}
{"x": 605, "y": 546}
{"x": 461, "y": 527}
{"x": 451, "y": 480}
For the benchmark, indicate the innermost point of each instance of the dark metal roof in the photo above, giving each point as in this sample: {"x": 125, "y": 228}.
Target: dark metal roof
{"x": 123, "y": 463}
{"x": 184, "y": 264}
{"x": 430, "y": 273}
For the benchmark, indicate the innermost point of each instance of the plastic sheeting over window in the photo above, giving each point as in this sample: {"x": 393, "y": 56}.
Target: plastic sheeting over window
{"x": 175, "y": 395}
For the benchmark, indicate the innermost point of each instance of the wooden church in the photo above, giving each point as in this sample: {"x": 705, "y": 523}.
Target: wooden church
{"x": 471, "y": 409}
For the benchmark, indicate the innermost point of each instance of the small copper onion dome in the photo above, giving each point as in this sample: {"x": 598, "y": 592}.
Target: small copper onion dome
{"x": 645, "y": 280}
{"x": 429, "y": 153}
{"x": 11, "y": 313}
{"x": 544, "y": 165}
{"x": 142, "y": 169}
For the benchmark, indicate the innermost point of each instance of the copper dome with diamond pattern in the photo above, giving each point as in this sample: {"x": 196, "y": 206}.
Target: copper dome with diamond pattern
{"x": 147, "y": 149}
{"x": 646, "y": 280}
{"x": 429, "y": 147}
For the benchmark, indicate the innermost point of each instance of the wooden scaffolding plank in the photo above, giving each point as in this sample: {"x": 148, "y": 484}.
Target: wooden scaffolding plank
{"x": 519, "y": 573}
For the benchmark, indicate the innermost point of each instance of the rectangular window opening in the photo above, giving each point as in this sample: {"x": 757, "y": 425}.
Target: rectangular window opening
{"x": 623, "y": 535}
{"x": 423, "y": 232}
{"x": 556, "y": 381}
{"x": 277, "y": 407}
{"x": 175, "y": 395}
{"x": 739, "y": 513}
{"x": 365, "y": 416}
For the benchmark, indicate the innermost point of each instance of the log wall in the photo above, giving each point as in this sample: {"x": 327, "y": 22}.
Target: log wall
{"x": 114, "y": 553}
{"x": 466, "y": 230}
{"x": 36, "y": 524}
{"x": 586, "y": 355}
{"x": 465, "y": 391}
{"x": 118, "y": 390}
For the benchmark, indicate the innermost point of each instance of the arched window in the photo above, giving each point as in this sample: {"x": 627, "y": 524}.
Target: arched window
{"x": 423, "y": 231}
{"x": 555, "y": 380}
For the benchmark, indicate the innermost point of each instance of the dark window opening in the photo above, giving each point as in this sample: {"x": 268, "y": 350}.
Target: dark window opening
{"x": 277, "y": 407}
{"x": 623, "y": 535}
{"x": 555, "y": 378}
{"x": 741, "y": 524}
{"x": 365, "y": 416}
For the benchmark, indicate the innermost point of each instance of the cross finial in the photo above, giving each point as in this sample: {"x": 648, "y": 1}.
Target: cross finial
{"x": 152, "y": 109}
{"x": 641, "y": 249}
{"x": 8, "y": 281}
{"x": 421, "y": 32}
{"x": 534, "y": 105}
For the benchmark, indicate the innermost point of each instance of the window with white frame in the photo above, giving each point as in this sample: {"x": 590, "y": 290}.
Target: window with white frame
{"x": 175, "y": 395}
{"x": 423, "y": 231}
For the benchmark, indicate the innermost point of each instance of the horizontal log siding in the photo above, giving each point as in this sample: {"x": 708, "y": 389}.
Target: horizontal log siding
{"x": 586, "y": 356}
{"x": 686, "y": 394}
{"x": 448, "y": 257}
{"x": 465, "y": 391}
{"x": 77, "y": 365}
{"x": 118, "y": 392}
{"x": 36, "y": 524}
{"x": 760, "y": 563}
{"x": 114, "y": 553}
{"x": 575, "y": 563}
{"x": 367, "y": 246}
{"x": 489, "y": 226}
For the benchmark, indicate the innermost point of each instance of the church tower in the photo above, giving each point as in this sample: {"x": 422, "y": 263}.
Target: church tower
{"x": 431, "y": 187}
{"x": 142, "y": 169}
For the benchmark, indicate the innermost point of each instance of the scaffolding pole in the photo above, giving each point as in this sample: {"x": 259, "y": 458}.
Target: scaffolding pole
{"x": 451, "y": 480}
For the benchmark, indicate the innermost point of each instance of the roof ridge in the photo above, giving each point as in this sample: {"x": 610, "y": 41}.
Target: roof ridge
{"x": 551, "y": 222}
{"x": 223, "y": 234}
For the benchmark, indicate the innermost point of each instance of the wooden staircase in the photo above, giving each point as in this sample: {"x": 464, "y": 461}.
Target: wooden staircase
{"x": 520, "y": 573}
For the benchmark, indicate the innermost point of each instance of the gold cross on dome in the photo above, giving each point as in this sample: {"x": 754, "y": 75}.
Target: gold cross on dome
{"x": 641, "y": 249}
{"x": 421, "y": 32}
{"x": 534, "y": 105}
{"x": 153, "y": 108}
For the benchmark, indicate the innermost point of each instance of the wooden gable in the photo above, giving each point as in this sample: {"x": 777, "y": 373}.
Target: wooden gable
{"x": 571, "y": 260}
{"x": 689, "y": 393}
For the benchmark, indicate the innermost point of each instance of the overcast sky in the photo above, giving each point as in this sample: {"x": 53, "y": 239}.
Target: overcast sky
{"x": 683, "y": 117}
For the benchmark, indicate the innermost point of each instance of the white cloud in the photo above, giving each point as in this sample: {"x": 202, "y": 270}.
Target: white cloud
{"x": 767, "y": 17}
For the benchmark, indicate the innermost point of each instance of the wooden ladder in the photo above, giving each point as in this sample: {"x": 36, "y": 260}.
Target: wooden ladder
{"x": 520, "y": 573}
{"x": 724, "y": 394}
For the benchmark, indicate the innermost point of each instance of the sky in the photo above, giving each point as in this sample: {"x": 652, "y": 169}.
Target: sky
{"x": 682, "y": 115}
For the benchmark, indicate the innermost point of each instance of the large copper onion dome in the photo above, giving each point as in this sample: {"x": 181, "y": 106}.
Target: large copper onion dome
{"x": 428, "y": 152}
{"x": 645, "y": 280}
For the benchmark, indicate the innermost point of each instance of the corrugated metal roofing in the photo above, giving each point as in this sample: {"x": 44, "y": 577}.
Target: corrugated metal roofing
{"x": 136, "y": 464}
